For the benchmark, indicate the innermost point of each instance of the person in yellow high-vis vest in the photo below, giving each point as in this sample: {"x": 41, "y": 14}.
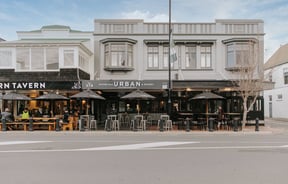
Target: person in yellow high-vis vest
{"x": 25, "y": 114}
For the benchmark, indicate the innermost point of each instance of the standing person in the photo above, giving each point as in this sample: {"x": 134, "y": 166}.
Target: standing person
{"x": 25, "y": 114}
{"x": 220, "y": 116}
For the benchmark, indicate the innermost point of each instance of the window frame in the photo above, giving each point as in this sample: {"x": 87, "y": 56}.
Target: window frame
{"x": 117, "y": 58}
{"x": 7, "y": 57}
{"x": 191, "y": 53}
{"x": 239, "y": 53}
{"x": 153, "y": 53}
{"x": 205, "y": 56}
{"x": 30, "y": 66}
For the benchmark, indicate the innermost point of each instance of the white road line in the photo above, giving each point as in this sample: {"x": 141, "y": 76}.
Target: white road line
{"x": 20, "y": 142}
{"x": 221, "y": 147}
{"x": 137, "y": 146}
{"x": 154, "y": 146}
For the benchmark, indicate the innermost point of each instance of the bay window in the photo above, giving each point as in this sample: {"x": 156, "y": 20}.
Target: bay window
{"x": 240, "y": 53}
{"x": 37, "y": 59}
{"x": 118, "y": 55}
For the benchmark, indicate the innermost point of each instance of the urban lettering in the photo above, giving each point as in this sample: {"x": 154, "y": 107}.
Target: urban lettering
{"x": 127, "y": 84}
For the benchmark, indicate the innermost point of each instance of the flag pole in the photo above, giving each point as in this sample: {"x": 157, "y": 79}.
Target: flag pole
{"x": 169, "y": 64}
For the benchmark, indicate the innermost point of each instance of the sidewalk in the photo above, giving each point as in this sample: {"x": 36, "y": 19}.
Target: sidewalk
{"x": 270, "y": 125}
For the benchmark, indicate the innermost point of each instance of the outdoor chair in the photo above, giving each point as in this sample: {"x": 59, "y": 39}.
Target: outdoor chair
{"x": 69, "y": 125}
{"x": 138, "y": 123}
{"x": 167, "y": 122}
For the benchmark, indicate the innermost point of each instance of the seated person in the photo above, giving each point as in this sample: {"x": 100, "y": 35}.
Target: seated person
{"x": 25, "y": 114}
{"x": 38, "y": 113}
{"x": 66, "y": 116}
{"x": 6, "y": 115}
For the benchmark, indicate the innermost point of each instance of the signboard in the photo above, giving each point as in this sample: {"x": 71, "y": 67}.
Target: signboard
{"x": 124, "y": 84}
{"x": 40, "y": 85}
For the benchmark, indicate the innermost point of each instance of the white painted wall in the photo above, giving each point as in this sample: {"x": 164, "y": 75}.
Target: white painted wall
{"x": 279, "y": 106}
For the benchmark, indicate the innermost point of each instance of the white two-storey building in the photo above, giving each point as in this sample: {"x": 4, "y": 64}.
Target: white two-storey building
{"x": 276, "y": 70}
{"x": 131, "y": 51}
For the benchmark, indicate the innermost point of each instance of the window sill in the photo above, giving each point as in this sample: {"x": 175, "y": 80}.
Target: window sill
{"x": 124, "y": 69}
{"x": 236, "y": 68}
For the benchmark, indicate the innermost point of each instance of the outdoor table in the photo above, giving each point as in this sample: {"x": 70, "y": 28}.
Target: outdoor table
{"x": 234, "y": 118}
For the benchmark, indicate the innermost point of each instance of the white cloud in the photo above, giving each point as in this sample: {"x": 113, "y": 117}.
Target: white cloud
{"x": 147, "y": 16}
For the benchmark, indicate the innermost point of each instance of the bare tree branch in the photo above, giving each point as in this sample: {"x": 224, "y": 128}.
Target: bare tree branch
{"x": 250, "y": 78}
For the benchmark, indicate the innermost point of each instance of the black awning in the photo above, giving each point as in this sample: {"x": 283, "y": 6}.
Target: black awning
{"x": 207, "y": 84}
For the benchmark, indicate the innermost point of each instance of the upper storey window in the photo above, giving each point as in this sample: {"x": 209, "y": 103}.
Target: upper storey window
{"x": 186, "y": 55}
{"x": 205, "y": 55}
{"x": 240, "y": 54}
{"x": 5, "y": 58}
{"x": 68, "y": 57}
{"x": 118, "y": 54}
{"x": 37, "y": 59}
{"x": 153, "y": 57}
{"x": 190, "y": 57}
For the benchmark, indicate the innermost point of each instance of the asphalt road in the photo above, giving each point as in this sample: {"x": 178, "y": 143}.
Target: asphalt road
{"x": 143, "y": 157}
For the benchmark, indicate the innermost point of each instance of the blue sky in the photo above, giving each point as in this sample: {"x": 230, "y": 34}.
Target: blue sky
{"x": 26, "y": 15}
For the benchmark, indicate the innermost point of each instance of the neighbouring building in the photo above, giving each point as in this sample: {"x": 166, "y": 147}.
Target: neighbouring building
{"x": 55, "y": 56}
{"x": 276, "y": 71}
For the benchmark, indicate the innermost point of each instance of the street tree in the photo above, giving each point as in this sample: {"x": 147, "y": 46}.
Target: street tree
{"x": 250, "y": 77}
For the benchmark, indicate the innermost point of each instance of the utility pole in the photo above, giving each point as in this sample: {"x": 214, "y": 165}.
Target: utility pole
{"x": 169, "y": 64}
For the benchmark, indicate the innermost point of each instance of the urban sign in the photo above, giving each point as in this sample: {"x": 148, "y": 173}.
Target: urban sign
{"x": 124, "y": 84}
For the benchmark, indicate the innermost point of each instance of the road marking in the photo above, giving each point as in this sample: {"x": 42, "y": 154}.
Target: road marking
{"x": 222, "y": 147}
{"x": 153, "y": 146}
{"x": 136, "y": 146}
{"x": 20, "y": 142}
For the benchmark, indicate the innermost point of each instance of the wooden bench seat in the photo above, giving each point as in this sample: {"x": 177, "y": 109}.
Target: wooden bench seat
{"x": 24, "y": 124}
{"x": 51, "y": 125}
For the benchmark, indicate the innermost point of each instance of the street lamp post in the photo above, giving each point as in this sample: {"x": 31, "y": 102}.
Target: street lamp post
{"x": 169, "y": 64}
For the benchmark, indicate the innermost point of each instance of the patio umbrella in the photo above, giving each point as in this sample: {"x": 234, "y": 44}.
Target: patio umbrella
{"x": 207, "y": 95}
{"x": 51, "y": 97}
{"x": 15, "y": 96}
{"x": 138, "y": 95}
{"x": 88, "y": 94}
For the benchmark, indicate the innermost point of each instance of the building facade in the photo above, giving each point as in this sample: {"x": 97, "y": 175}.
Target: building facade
{"x": 120, "y": 56}
{"x": 127, "y": 51}
{"x": 276, "y": 71}
{"x": 52, "y": 59}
